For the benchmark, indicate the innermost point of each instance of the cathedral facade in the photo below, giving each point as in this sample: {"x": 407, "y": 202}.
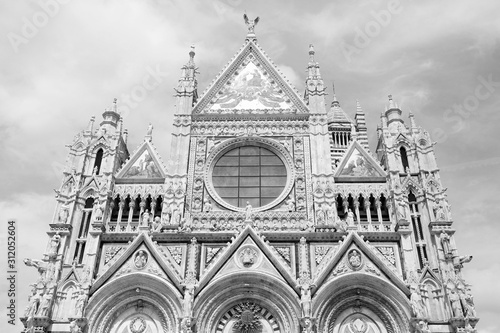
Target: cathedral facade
{"x": 272, "y": 216}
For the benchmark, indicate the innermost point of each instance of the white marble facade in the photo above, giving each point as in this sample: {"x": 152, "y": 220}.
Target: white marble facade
{"x": 270, "y": 214}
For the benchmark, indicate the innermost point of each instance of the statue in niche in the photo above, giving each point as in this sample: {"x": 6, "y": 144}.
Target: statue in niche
{"x": 417, "y": 304}
{"x": 445, "y": 243}
{"x": 33, "y": 302}
{"x": 63, "y": 213}
{"x": 456, "y": 307}
{"x": 468, "y": 303}
{"x": 187, "y": 303}
{"x": 99, "y": 211}
{"x": 439, "y": 212}
{"x": 43, "y": 311}
{"x": 305, "y": 301}
{"x": 81, "y": 300}
{"x": 248, "y": 212}
{"x": 320, "y": 214}
{"x": 176, "y": 215}
{"x": 330, "y": 214}
{"x": 54, "y": 246}
{"x": 156, "y": 223}
{"x": 145, "y": 218}
{"x": 350, "y": 217}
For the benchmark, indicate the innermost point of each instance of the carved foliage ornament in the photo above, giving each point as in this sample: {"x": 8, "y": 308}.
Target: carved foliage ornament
{"x": 248, "y": 318}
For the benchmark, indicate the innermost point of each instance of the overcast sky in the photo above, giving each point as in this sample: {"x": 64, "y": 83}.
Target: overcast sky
{"x": 61, "y": 64}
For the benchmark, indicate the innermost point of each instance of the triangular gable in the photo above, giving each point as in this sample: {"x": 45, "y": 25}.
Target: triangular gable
{"x": 250, "y": 83}
{"x": 408, "y": 183}
{"x": 249, "y": 258}
{"x": 356, "y": 162}
{"x": 247, "y": 239}
{"x": 144, "y": 163}
{"x": 150, "y": 260}
{"x": 375, "y": 261}
{"x": 402, "y": 138}
{"x": 427, "y": 273}
{"x": 70, "y": 275}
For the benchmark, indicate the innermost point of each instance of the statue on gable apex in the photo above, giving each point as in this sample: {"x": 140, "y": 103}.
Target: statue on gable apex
{"x": 251, "y": 23}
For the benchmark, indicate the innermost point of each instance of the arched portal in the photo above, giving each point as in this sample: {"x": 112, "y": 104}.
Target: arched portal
{"x": 361, "y": 303}
{"x": 132, "y": 304}
{"x": 252, "y": 302}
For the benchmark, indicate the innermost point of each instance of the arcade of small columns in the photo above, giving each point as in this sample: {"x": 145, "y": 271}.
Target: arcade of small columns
{"x": 126, "y": 210}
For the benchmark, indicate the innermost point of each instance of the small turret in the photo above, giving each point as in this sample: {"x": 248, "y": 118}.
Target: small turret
{"x": 393, "y": 112}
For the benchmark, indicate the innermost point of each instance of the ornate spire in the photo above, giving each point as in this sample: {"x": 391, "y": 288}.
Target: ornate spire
{"x": 251, "y": 27}
{"x": 186, "y": 91}
{"x": 335, "y": 102}
{"x": 315, "y": 88}
{"x": 313, "y": 66}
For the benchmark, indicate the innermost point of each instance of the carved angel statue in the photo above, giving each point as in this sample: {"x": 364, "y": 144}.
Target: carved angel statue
{"x": 250, "y": 23}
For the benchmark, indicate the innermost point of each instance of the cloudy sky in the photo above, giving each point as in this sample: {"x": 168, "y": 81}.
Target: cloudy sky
{"x": 64, "y": 61}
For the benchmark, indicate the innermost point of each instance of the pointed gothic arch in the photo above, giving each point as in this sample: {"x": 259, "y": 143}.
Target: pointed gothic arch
{"x": 382, "y": 304}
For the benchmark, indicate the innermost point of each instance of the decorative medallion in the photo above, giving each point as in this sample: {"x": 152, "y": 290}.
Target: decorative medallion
{"x": 358, "y": 325}
{"x": 248, "y": 256}
{"x": 138, "y": 325}
{"x": 354, "y": 259}
{"x": 140, "y": 259}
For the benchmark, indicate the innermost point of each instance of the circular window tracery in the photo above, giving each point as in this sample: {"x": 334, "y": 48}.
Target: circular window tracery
{"x": 249, "y": 174}
{"x": 254, "y": 171}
